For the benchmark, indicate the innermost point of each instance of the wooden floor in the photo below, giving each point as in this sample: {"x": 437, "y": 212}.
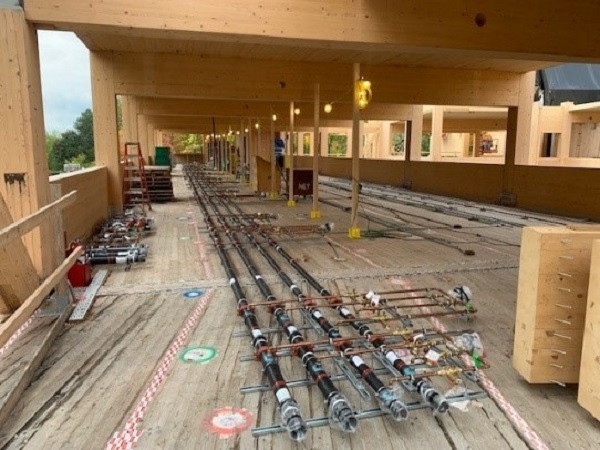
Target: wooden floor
{"x": 118, "y": 373}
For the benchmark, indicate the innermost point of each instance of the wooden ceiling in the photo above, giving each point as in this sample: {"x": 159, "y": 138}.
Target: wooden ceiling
{"x": 126, "y": 42}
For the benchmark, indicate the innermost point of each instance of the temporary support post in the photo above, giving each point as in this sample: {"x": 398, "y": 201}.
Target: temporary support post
{"x": 106, "y": 144}
{"x": 291, "y": 201}
{"x": 354, "y": 231}
{"x": 316, "y": 213}
{"x": 23, "y": 166}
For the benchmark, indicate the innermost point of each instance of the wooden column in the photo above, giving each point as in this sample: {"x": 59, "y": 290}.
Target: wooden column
{"x": 437, "y": 131}
{"x": 564, "y": 143}
{"x": 354, "y": 231}
{"x": 151, "y": 143}
{"x": 273, "y": 194}
{"x": 106, "y": 145}
{"x": 23, "y": 167}
{"x": 142, "y": 132}
{"x": 507, "y": 196}
{"x": 129, "y": 111}
{"x": 291, "y": 201}
{"x": 524, "y": 151}
{"x": 416, "y": 133}
{"x": 316, "y": 212}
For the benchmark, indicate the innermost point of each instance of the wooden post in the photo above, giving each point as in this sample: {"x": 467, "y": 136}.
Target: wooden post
{"x": 23, "y": 166}
{"x": 524, "y": 151}
{"x": 507, "y": 196}
{"x": 106, "y": 144}
{"x": 151, "y": 142}
{"x": 354, "y": 231}
{"x": 316, "y": 213}
{"x": 143, "y": 135}
{"x": 437, "y": 131}
{"x": 273, "y": 159}
{"x": 564, "y": 143}
{"x": 291, "y": 201}
{"x": 130, "y": 110}
{"x": 416, "y": 133}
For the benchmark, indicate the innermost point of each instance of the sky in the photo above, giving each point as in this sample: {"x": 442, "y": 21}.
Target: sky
{"x": 66, "y": 83}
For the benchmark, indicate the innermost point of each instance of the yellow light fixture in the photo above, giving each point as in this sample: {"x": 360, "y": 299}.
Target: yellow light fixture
{"x": 364, "y": 93}
{"x": 246, "y": 130}
{"x": 274, "y": 117}
{"x": 328, "y": 108}
{"x": 237, "y": 132}
{"x": 257, "y": 125}
{"x": 297, "y": 111}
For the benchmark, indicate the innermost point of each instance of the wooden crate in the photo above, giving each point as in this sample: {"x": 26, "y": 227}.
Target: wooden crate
{"x": 553, "y": 286}
{"x": 589, "y": 379}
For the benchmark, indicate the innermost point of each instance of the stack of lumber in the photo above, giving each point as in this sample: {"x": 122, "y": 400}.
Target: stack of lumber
{"x": 160, "y": 186}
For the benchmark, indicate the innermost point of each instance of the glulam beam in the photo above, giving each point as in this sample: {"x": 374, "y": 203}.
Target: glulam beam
{"x": 168, "y": 75}
{"x": 532, "y": 30}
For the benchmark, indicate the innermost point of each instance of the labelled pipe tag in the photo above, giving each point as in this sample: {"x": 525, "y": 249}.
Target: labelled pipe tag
{"x": 256, "y": 332}
{"x": 283, "y": 395}
{"x": 357, "y": 360}
{"x": 391, "y": 356}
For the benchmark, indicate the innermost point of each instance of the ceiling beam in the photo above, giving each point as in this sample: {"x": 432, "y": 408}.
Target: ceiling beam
{"x": 552, "y": 30}
{"x": 242, "y": 109}
{"x": 170, "y": 75}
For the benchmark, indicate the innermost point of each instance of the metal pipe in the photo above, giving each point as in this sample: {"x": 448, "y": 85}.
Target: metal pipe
{"x": 427, "y": 392}
{"x": 289, "y": 412}
{"x": 340, "y": 412}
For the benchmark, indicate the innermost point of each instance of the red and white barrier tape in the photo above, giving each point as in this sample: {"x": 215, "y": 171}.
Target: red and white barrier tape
{"x": 201, "y": 250}
{"x": 15, "y": 336}
{"x": 127, "y": 438}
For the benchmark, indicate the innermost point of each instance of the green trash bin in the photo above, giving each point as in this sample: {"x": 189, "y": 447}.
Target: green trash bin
{"x": 163, "y": 156}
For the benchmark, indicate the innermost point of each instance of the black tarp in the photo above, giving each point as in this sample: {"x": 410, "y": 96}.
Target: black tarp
{"x": 577, "y": 83}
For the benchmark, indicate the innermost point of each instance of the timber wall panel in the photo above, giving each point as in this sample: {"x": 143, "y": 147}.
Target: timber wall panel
{"x": 559, "y": 190}
{"x": 92, "y": 200}
{"x": 569, "y": 191}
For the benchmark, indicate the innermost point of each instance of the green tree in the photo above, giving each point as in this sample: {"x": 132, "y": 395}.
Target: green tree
{"x": 187, "y": 143}
{"x": 84, "y": 127}
{"x": 75, "y": 145}
{"x": 51, "y": 138}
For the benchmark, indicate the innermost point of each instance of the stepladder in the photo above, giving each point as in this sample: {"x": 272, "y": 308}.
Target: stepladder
{"x": 135, "y": 184}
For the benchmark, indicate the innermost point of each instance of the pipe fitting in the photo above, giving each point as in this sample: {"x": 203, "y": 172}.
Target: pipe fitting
{"x": 438, "y": 402}
{"x": 341, "y": 415}
{"x": 292, "y": 420}
{"x": 391, "y": 405}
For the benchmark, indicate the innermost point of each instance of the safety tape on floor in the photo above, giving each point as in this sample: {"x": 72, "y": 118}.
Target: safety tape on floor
{"x": 127, "y": 438}
{"x": 15, "y": 336}
{"x": 520, "y": 425}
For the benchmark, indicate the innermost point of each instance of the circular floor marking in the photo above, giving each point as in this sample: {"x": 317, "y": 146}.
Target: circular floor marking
{"x": 198, "y": 355}
{"x": 227, "y": 422}
{"x": 193, "y": 293}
